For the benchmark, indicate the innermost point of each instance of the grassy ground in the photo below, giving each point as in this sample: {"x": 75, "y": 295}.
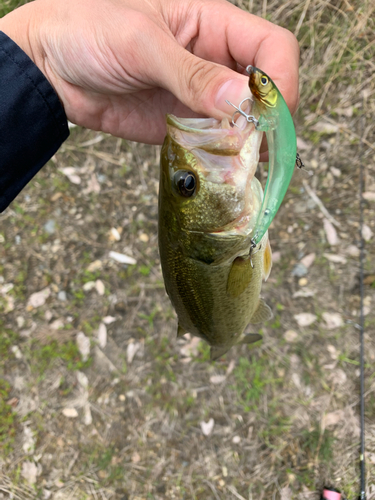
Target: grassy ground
{"x": 125, "y": 421}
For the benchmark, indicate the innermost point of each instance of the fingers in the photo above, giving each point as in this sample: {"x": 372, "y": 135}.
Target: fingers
{"x": 226, "y": 35}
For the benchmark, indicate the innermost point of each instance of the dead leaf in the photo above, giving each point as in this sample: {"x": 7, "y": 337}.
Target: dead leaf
{"x": 83, "y": 344}
{"x": 337, "y": 259}
{"x": 217, "y": 379}
{"x": 308, "y": 260}
{"x": 369, "y": 195}
{"x": 367, "y": 234}
{"x": 70, "y": 412}
{"x": 37, "y": 299}
{"x": 100, "y": 288}
{"x": 122, "y": 258}
{"x": 305, "y": 319}
{"x": 332, "y": 320}
{"x": 131, "y": 351}
{"x": 331, "y": 232}
{"x": 102, "y": 335}
{"x": 290, "y": 335}
{"x": 190, "y": 349}
{"x": 332, "y": 418}
{"x": 207, "y": 427}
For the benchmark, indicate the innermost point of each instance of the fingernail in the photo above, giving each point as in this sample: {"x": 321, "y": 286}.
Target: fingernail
{"x": 234, "y": 91}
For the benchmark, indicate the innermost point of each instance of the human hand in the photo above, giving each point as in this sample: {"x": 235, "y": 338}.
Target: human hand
{"x": 120, "y": 65}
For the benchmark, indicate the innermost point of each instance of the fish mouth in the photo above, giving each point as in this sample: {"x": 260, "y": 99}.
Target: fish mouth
{"x": 210, "y": 135}
{"x": 226, "y": 158}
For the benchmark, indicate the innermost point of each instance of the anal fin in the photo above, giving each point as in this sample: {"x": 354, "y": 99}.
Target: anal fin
{"x": 262, "y": 313}
{"x": 218, "y": 351}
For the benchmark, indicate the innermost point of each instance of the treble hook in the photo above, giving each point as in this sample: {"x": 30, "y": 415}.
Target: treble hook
{"x": 252, "y": 248}
{"x": 299, "y": 162}
{"x": 249, "y": 118}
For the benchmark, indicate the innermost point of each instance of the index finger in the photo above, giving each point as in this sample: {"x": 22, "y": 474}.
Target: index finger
{"x": 247, "y": 39}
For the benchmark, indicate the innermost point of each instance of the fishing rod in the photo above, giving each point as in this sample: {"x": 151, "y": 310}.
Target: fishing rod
{"x": 333, "y": 493}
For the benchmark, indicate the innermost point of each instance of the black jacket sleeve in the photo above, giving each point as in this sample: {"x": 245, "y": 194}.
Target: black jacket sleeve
{"x": 33, "y": 124}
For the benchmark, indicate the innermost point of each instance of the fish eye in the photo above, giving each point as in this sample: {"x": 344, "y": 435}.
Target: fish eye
{"x": 264, "y": 80}
{"x": 185, "y": 183}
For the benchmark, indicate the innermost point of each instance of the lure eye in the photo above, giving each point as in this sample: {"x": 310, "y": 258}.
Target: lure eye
{"x": 264, "y": 80}
{"x": 186, "y": 183}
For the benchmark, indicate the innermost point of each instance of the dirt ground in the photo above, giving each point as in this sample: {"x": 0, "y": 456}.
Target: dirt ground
{"x": 99, "y": 400}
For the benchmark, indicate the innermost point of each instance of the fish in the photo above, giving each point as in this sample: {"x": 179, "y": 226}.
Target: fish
{"x": 274, "y": 118}
{"x": 209, "y": 201}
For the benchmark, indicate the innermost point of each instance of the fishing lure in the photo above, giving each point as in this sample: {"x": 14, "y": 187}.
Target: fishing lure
{"x": 273, "y": 117}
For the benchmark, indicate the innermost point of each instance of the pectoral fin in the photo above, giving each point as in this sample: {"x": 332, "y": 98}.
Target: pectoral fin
{"x": 218, "y": 351}
{"x": 262, "y": 313}
{"x": 240, "y": 276}
{"x": 267, "y": 261}
{"x": 180, "y": 331}
{"x": 250, "y": 338}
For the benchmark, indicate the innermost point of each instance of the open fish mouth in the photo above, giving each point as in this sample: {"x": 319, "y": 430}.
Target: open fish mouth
{"x": 226, "y": 158}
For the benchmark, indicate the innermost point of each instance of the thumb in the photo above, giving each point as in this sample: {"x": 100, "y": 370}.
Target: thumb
{"x": 203, "y": 86}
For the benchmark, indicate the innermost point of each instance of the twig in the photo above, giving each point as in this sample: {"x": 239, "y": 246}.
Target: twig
{"x": 213, "y": 489}
{"x": 234, "y": 491}
{"x": 319, "y": 202}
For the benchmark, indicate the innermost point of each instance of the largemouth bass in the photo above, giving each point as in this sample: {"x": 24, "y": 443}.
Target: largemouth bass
{"x": 209, "y": 202}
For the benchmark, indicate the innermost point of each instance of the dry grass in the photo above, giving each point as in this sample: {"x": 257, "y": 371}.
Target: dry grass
{"x": 286, "y": 413}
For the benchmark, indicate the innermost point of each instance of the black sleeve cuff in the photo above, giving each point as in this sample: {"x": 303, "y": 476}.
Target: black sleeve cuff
{"x": 33, "y": 124}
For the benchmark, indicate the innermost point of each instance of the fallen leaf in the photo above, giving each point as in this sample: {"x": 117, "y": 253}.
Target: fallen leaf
{"x": 37, "y": 299}
{"x": 207, "y": 427}
{"x": 367, "y": 233}
{"x": 29, "y": 472}
{"x": 87, "y": 417}
{"x": 353, "y": 251}
{"x": 82, "y": 380}
{"x": 308, "y": 260}
{"x": 190, "y": 349}
{"x": 88, "y": 286}
{"x": 290, "y": 335}
{"x": 306, "y": 292}
{"x": 94, "y": 266}
{"x": 331, "y": 232}
{"x": 337, "y": 259}
{"x": 136, "y": 457}
{"x": 83, "y": 344}
{"x": 100, "y": 288}
{"x": 332, "y": 418}
{"x": 70, "y": 412}
{"x": 305, "y": 319}
{"x": 369, "y": 195}
{"x": 332, "y": 351}
{"x": 131, "y": 351}
{"x": 114, "y": 235}
{"x": 332, "y": 320}
{"x": 102, "y": 335}
{"x": 122, "y": 258}
{"x": 217, "y": 379}
{"x": 325, "y": 127}
{"x": 109, "y": 319}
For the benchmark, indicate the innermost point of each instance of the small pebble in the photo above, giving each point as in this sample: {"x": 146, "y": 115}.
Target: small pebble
{"x": 62, "y": 296}
{"x": 299, "y": 270}
{"x": 50, "y": 226}
{"x": 302, "y": 282}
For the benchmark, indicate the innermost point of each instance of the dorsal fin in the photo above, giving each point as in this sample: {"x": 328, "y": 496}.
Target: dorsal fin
{"x": 262, "y": 313}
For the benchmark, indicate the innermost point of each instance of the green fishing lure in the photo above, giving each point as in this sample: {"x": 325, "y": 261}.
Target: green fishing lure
{"x": 274, "y": 118}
